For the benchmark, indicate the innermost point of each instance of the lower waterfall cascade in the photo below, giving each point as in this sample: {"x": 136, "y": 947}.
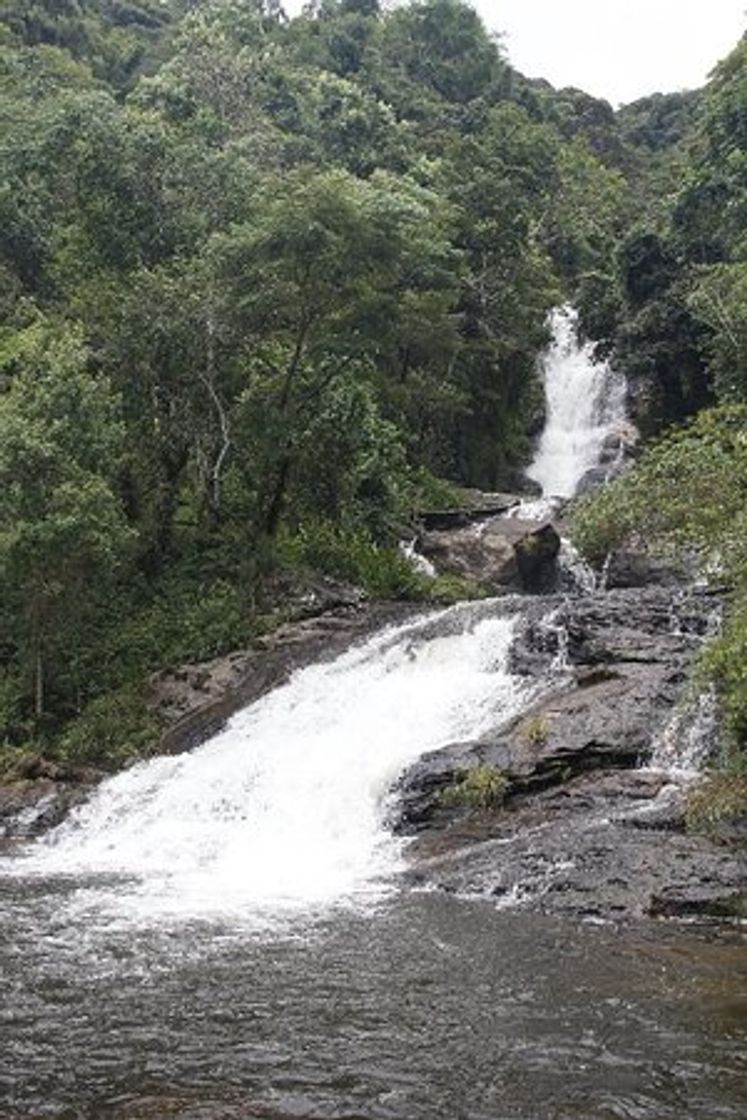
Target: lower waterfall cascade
{"x": 285, "y": 808}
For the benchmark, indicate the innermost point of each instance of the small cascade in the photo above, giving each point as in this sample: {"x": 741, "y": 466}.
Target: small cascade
{"x": 575, "y": 573}
{"x": 689, "y": 739}
{"x": 585, "y": 407}
{"x": 419, "y": 563}
{"x": 554, "y": 626}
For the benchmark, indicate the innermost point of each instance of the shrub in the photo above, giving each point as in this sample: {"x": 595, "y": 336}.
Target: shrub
{"x": 112, "y": 731}
{"x": 482, "y": 787}
{"x": 717, "y": 798}
{"x": 535, "y": 730}
{"x": 352, "y": 554}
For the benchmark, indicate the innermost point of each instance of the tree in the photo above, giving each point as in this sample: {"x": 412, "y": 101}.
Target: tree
{"x": 719, "y": 302}
{"x": 62, "y": 528}
{"x": 332, "y": 272}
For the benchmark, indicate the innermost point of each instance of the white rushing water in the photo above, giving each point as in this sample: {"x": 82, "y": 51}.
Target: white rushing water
{"x": 689, "y": 737}
{"x": 585, "y": 405}
{"x": 285, "y": 809}
{"x": 420, "y": 563}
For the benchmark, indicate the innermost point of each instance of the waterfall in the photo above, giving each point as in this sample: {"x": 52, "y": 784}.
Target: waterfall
{"x": 421, "y": 564}
{"x": 286, "y": 807}
{"x": 585, "y": 406}
{"x": 689, "y": 738}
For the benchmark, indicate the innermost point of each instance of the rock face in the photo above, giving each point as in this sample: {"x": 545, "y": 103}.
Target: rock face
{"x": 500, "y": 553}
{"x": 583, "y": 828}
{"x": 194, "y": 701}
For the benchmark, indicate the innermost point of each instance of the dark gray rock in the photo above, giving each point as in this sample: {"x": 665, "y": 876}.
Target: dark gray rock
{"x": 636, "y": 569}
{"x": 592, "y": 480}
{"x": 583, "y": 828}
{"x": 569, "y": 850}
{"x": 501, "y": 553}
{"x": 536, "y": 559}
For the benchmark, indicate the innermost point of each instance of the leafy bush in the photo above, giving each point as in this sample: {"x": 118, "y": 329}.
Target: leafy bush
{"x": 725, "y": 663}
{"x": 113, "y": 730}
{"x": 482, "y": 787}
{"x": 455, "y": 589}
{"x": 352, "y": 554}
{"x": 687, "y": 492}
{"x": 535, "y": 730}
{"x": 428, "y": 492}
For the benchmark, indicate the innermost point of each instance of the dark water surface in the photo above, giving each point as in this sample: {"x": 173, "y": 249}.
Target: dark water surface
{"x": 429, "y": 1008}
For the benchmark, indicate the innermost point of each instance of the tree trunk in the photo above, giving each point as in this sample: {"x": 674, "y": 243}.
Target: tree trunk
{"x": 38, "y": 684}
{"x": 277, "y": 499}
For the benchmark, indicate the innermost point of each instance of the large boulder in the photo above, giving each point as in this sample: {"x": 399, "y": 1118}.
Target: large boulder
{"x": 536, "y": 558}
{"x": 500, "y": 553}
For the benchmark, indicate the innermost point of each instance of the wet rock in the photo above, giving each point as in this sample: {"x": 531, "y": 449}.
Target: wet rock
{"x": 721, "y": 893}
{"x": 592, "y": 480}
{"x": 569, "y": 851}
{"x": 536, "y": 558}
{"x": 583, "y": 829}
{"x": 666, "y": 813}
{"x": 565, "y": 734}
{"x": 619, "y": 444}
{"x": 502, "y": 552}
{"x": 635, "y": 569}
{"x": 30, "y": 807}
{"x": 486, "y": 558}
{"x": 478, "y": 506}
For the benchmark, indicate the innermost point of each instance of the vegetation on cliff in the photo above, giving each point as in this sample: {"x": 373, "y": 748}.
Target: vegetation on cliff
{"x": 687, "y": 498}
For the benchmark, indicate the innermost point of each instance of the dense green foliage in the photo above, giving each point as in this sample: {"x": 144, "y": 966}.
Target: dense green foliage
{"x": 265, "y": 282}
{"x": 675, "y": 319}
{"x": 673, "y": 309}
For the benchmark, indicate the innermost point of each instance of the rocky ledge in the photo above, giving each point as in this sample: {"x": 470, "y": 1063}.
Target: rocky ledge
{"x": 556, "y": 811}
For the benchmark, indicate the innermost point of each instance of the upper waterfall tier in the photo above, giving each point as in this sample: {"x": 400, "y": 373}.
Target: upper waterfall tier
{"x": 585, "y": 405}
